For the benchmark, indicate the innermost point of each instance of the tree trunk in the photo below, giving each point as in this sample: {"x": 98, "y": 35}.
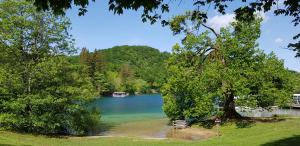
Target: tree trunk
{"x": 28, "y": 78}
{"x": 29, "y": 84}
{"x": 229, "y": 108}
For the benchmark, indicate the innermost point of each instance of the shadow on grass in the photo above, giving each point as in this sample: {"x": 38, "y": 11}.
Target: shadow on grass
{"x": 209, "y": 124}
{"x": 12, "y": 145}
{"x": 249, "y": 122}
{"x": 290, "y": 141}
{"x": 244, "y": 123}
{"x": 269, "y": 120}
{"x": 101, "y": 129}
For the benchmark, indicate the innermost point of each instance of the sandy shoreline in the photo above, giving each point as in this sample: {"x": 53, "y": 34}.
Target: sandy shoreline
{"x": 154, "y": 129}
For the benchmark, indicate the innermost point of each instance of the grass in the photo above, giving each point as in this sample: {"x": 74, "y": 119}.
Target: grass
{"x": 143, "y": 128}
{"x": 282, "y": 133}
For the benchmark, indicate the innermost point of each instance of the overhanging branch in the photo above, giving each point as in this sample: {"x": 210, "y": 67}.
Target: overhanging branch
{"x": 211, "y": 29}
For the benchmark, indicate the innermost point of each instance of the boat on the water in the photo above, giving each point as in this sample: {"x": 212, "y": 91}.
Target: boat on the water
{"x": 120, "y": 94}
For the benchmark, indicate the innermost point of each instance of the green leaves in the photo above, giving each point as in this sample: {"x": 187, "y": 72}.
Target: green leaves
{"x": 58, "y": 92}
{"x": 229, "y": 68}
{"x": 125, "y": 68}
{"x": 40, "y": 90}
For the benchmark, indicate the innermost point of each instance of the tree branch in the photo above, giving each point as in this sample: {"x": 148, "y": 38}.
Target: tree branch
{"x": 211, "y": 29}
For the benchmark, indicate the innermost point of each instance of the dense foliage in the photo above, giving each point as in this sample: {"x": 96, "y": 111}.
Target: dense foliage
{"x": 40, "y": 90}
{"x": 296, "y": 80}
{"x": 226, "y": 70}
{"x": 131, "y": 69}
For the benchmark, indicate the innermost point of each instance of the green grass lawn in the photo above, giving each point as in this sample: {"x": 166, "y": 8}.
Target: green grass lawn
{"x": 284, "y": 133}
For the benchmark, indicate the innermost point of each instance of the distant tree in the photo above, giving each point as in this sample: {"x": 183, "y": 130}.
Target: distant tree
{"x": 95, "y": 65}
{"x": 127, "y": 78}
{"x": 126, "y": 72}
{"x": 141, "y": 86}
{"x": 102, "y": 84}
{"x": 96, "y": 62}
{"x": 98, "y": 58}
{"x": 114, "y": 80}
{"x": 84, "y": 56}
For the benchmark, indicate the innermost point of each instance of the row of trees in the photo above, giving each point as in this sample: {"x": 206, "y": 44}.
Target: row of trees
{"x": 132, "y": 69}
{"x": 225, "y": 69}
{"x": 40, "y": 90}
{"x": 44, "y": 89}
{"x": 245, "y": 11}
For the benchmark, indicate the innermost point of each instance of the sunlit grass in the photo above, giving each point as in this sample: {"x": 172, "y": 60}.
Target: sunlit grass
{"x": 285, "y": 132}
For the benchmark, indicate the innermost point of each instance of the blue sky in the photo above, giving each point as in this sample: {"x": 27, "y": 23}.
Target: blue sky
{"x": 100, "y": 29}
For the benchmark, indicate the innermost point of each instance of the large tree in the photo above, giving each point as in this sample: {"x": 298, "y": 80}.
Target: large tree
{"x": 150, "y": 7}
{"x": 41, "y": 91}
{"x": 227, "y": 69}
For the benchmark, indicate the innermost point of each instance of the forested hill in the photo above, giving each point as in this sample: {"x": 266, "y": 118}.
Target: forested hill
{"x": 125, "y": 68}
{"x": 148, "y": 63}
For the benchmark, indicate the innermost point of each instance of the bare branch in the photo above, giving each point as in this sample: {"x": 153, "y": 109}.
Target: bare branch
{"x": 211, "y": 29}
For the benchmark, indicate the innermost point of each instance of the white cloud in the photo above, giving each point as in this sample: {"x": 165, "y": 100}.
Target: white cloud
{"x": 219, "y": 21}
{"x": 263, "y": 15}
{"x": 278, "y": 40}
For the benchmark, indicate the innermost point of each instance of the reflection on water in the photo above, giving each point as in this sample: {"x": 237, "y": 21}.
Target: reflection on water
{"x": 130, "y": 104}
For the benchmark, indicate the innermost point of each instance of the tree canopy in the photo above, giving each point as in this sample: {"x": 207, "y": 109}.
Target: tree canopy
{"x": 40, "y": 90}
{"x": 226, "y": 71}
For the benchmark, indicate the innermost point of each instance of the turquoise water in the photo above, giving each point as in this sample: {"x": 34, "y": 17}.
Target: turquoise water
{"x": 130, "y": 108}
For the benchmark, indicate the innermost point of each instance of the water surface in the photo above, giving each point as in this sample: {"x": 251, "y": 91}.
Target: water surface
{"x": 130, "y": 108}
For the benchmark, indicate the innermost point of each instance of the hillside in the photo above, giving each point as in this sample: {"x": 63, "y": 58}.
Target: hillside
{"x": 148, "y": 63}
{"x": 126, "y": 68}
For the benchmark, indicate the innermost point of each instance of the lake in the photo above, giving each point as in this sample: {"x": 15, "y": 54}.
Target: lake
{"x": 149, "y": 106}
{"x": 130, "y": 108}
{"x": 137, "y": 116}
{"x": 140, "y": 116}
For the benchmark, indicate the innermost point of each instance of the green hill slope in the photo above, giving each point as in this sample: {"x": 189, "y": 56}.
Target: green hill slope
{"x": 125, "y": 68}
{"x": 148, "y": 63}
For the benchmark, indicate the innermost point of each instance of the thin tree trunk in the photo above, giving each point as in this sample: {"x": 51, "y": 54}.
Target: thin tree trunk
{"x": 29, "y": 83}
{"x": 28, "y": 78}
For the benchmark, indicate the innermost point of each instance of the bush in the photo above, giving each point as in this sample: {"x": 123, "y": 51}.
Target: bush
{"x": 56, "y": 104}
